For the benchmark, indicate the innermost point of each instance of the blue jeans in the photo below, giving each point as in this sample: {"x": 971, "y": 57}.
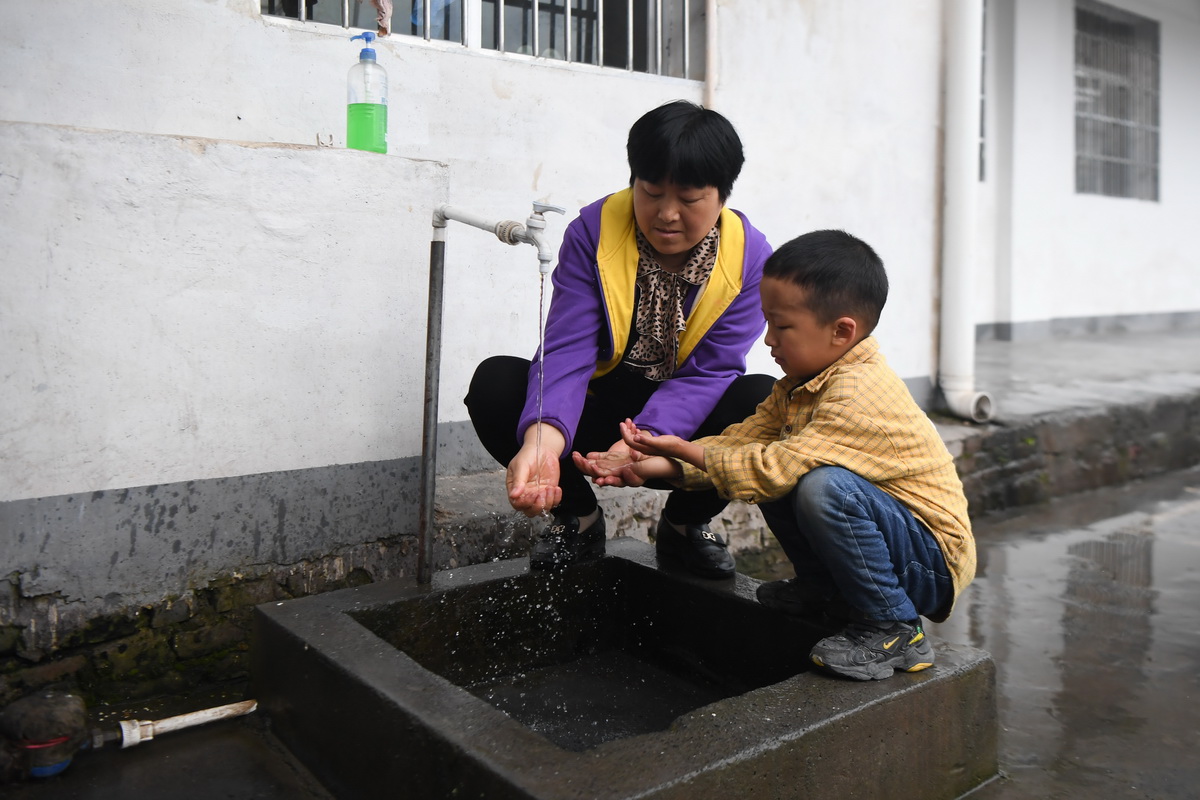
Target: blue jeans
{"x": 844, "y": 534}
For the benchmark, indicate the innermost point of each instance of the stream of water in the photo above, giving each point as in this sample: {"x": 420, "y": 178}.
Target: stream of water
{"x": 541, "y": 357}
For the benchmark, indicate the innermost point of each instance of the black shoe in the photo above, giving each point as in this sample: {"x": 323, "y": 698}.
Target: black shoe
{"x": 701, "y": 551}
{"x": 562, "y": 543}
{"x": 872, "y": 651}
{"x": 801, "y": 599}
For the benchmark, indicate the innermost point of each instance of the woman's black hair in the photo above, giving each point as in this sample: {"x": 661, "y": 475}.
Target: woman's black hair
{"x": 686, "y": 144}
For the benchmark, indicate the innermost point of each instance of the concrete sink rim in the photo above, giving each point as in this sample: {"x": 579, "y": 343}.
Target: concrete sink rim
{"x": 708, "y": 738}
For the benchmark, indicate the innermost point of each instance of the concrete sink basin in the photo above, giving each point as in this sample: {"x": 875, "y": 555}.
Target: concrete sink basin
{"x": 612, "y": 679}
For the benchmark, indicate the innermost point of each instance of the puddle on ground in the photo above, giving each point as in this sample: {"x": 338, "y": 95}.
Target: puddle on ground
{"x": 1090, "y": 607}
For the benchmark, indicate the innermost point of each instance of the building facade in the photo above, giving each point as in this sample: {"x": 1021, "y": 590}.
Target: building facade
{"x": 213, "y": 314}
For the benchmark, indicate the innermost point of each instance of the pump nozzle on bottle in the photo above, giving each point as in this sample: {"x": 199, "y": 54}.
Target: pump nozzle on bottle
{"x": 367, "y": 37}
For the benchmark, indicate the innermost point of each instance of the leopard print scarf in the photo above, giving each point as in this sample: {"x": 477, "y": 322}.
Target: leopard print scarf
{"x": 660, "y": 319}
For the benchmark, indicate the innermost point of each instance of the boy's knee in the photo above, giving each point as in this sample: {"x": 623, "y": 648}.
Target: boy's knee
{"x": 819, "y": 485}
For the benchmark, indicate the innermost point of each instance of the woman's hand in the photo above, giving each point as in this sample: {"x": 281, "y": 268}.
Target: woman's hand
{"x": 533, "y": 474}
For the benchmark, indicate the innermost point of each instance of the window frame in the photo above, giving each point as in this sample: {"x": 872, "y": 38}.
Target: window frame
{"x": 1118, "y": 80}
{"x": 655, "y": 37}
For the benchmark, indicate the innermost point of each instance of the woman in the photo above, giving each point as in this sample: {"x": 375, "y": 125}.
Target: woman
{"x": 655, "y": 306}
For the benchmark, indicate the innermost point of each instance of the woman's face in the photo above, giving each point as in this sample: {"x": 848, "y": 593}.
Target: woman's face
{"x": 674, "y": 218}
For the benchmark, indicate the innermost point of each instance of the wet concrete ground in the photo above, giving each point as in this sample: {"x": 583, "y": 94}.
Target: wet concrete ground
{"x": 1041, "y": 378}
{"x": 1089, "y": 606}
{"x": 1091, "y": 610}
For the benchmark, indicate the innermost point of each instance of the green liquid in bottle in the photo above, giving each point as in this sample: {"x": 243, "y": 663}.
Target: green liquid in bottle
{"x": 366, "y": 127}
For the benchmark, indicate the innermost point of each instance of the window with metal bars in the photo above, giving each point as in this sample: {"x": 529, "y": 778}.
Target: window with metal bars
{"x": 662, "y": 37}
{"x": 443, "y": 18}
{"x": 1116, "y": 102}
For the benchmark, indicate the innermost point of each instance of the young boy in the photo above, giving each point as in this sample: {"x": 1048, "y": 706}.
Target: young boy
{"x": 850, "y": 474}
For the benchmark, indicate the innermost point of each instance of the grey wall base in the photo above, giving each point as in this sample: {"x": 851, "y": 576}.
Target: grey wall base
{"x": 373, "y": 720}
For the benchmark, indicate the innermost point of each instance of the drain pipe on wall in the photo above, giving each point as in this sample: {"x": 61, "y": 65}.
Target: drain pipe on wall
{"x": 963, "y": 74}
{"x": 710, "y": 52}
{"x": 510, "y": 232}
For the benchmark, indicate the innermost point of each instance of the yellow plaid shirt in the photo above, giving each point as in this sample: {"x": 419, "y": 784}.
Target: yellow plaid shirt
{"x": 859, "y": 415}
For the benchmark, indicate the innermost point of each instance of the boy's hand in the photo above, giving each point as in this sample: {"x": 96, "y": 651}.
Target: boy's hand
{"x": 668, "y": 446}
{"x": 606, "y": 470}
{"x": 609, "y": 464}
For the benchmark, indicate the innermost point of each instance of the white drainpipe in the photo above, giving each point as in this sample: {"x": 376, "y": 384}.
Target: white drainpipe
{"x": 710, "y": 52}
{"x": 956, "y": 352}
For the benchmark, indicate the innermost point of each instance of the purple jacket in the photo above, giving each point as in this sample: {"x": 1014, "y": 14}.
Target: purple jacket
{"x": 579, "y": 340}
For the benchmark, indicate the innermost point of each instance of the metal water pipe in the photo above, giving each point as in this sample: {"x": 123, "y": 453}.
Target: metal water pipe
{"x": 511, "y": 232}
{"x": 963, "y": 74}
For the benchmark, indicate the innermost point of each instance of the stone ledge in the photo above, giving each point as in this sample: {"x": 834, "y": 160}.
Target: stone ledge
{"x": 1029, "y": 461}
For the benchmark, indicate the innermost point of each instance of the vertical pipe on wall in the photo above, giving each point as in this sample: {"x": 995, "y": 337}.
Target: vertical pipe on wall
{"x": 567, "y": 28}
{"x": 658, "y": 38}
{"x": 536, "y": 42}
{"x": 629, "y": 38}
{"x": 472, "y": 26}
{"x": 433, "y": 350}
{"x": 599, "y": 33}
{"x": 710, "y": 52}
{"x": 500, "y": 25}
{"x": 687, "y": 39}
{"x": 960, "y": 191}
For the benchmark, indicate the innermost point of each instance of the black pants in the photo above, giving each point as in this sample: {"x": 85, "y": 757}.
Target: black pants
{"x": 497, "y": 396}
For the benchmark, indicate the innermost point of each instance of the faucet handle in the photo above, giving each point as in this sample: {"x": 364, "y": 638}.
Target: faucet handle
{"x": 539, "y": 208}
{"x": 536, "y": 220}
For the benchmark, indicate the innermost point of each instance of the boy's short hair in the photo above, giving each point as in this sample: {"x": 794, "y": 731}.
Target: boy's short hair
{"x": 841, "y": 274}
{"x": 687, "y": 144}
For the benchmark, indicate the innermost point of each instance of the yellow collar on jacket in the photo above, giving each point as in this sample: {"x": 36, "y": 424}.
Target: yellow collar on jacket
{"x": 617, "y": 258}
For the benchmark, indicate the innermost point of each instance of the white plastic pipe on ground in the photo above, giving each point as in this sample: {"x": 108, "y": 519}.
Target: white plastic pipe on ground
{"x": 134, "y": 732}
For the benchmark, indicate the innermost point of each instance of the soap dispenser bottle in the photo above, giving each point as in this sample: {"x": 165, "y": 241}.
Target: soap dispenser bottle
{"x": 366, "y": 100}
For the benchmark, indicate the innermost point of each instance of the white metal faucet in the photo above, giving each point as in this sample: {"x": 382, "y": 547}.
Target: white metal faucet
{"x": 535, "y": 234}
{"x": 508, "y": 231}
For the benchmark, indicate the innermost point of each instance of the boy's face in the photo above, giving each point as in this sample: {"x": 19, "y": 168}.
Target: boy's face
{"x": 800, "y": 344}
{"x": 674, "y": 218}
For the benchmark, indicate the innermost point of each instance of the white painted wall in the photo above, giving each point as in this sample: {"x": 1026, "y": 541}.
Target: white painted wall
{"x": 856, "y": 151}
{"x": 838, "y": 104}
{"x": 176, "y": 309}
{"x": 1073, "y": 255}
{"x": 840, "y": 110}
